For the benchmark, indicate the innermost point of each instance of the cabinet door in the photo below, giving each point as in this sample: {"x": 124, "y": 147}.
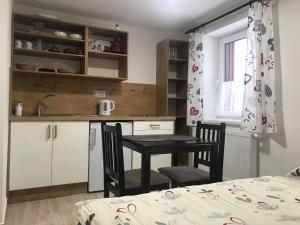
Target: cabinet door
{"x": 70, "y": 152}
{"x": 152, "y": 128}
{"x": 30, "y": 155}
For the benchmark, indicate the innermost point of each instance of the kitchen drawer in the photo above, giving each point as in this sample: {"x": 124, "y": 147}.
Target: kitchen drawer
{"x": 152, "y": 128}
{"x": 152, "y": 132}
{"x": 153, "y": 125}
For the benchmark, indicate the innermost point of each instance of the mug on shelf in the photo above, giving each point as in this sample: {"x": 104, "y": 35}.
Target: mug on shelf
{"x": 18, "y": 44}
{"x": 28, "y": 45}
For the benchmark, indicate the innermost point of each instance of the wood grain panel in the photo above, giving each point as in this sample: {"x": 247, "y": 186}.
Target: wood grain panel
{"x": 46, "y": 192}
{"x": 77, "y": 96}
{"x": 90, "y": 118}
{"x": 162, "y": 68}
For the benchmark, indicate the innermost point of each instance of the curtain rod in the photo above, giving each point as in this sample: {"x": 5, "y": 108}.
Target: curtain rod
{"x": 219, "y": 17}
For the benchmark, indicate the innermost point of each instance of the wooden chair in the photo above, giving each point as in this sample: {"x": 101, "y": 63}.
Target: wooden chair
{"x": 116, "y": 180}
{"x": 184, "y": 175}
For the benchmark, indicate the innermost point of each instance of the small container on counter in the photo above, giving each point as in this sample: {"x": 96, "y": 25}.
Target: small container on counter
{"x": 18, "y": 109}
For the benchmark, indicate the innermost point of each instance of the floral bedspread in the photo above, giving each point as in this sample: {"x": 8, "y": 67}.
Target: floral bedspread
{"x": 262, "y": 200}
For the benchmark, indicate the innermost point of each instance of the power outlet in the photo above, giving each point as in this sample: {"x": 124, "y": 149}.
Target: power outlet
{"x": 99, "y": 94}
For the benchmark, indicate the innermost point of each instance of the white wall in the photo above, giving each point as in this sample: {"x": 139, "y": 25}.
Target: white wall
{"x": 5, "y": 24}
{"x": 281, "y": 152}
{"x": 142, "y": 43}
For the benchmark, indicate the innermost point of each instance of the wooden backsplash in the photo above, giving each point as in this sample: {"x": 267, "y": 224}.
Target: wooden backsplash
{"x": 76, "y": 96}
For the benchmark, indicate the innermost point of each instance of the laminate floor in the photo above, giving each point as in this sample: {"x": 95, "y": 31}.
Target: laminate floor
{"x": 53, "y": 211}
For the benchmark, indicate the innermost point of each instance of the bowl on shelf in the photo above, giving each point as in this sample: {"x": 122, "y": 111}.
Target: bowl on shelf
{"x": 25, "y": 66}
{"x": 60, "y": 34}
{"x": 75, "y": 36}
{"x": 47, "y": 70}
{"x": 79, "y": 51}
{"x": 69, "y": 51}
{"x": 66, "y": 70}
{"x": 54, "y": 49}
{"x": 107, "y": 49}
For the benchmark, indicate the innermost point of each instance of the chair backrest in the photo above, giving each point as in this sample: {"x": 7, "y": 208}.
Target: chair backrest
{"x": 113, "y": 160}
{"x": 211, "y": 132}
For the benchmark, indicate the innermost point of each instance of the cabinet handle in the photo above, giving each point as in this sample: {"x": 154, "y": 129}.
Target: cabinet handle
{"x": 54, "y": 132}
{"x": 48, "y": 132}
{"x": 154, "y": 126}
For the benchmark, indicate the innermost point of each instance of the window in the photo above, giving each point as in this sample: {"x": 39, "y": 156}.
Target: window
{"x": 230, "y": 88}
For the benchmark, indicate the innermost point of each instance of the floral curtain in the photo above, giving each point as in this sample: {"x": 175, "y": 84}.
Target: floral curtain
{"x": 195, "y": 79}
{"x": 259, "y": 96}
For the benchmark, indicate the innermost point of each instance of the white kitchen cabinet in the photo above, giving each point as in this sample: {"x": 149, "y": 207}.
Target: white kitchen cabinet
{"x": 48, "y": 153}
{"x": 30, "y": 155}
{"x": 70, "y": 152}
{"x": 148, "y": 128}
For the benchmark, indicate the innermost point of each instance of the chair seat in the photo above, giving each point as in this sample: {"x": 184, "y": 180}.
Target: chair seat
{"x": 185, "y": 174}
{"x": 133, "y": 179}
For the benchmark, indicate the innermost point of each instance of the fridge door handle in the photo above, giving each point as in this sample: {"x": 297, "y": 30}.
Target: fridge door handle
{"x": 93, "y": 139}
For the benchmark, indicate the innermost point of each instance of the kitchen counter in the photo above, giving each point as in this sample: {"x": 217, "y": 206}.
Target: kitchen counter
{"x": 91, "y": 118}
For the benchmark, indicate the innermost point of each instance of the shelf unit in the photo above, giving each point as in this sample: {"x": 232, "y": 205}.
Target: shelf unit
{"x": 171, "y": 80}
{"x": 171, "y": 77}
{"x": 26, "y": 31}
{"x": 118, "y": 59}
{"x": 47, "y": 54}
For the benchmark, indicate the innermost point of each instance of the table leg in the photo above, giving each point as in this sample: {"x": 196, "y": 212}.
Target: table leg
{"x": 145, "y": 173}
{"x": 174, "y": 159}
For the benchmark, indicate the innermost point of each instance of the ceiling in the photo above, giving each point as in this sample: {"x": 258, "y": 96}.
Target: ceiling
{"x": 169, "y": 15}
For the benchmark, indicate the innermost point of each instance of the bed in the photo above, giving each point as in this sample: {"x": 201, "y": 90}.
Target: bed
{"x": 263, "y": 200}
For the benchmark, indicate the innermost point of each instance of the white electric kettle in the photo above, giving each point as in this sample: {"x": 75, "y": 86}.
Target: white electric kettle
{"x": 106, "y": 107}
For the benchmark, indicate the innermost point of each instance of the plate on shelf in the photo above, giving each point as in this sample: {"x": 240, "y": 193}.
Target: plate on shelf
{"x": 75, "y": 36}
{"x": 25, "y": 66}
{"x": 47, "y": 16}
{"x": 60, "y": 34}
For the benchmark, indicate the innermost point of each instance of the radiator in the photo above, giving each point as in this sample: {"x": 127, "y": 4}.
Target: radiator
{"x": 240, "y": 154}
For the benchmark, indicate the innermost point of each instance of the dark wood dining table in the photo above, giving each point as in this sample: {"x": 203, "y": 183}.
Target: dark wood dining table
{"x": 148, "y": 145}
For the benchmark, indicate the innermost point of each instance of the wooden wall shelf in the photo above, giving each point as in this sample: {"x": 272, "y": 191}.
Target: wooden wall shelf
{"x": 47, "y": 54}
{"x": 112, "y": 79}
{"x": 47, "y": 74}
{"x": 107, "y": 55}
{"x": 46, "y": 37}
{"x": 49, "y": 39}
{"x": 66, "y": 75}
{"x": 177, "y": 79}
{"x": 177, "y": 98}
{"x": 178, "y": 60}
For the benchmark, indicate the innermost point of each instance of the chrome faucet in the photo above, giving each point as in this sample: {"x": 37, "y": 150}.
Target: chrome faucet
{"x": 39, "y": 105}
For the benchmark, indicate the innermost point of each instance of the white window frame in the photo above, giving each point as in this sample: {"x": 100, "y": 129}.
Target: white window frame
{"x": 222, "y": 42}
